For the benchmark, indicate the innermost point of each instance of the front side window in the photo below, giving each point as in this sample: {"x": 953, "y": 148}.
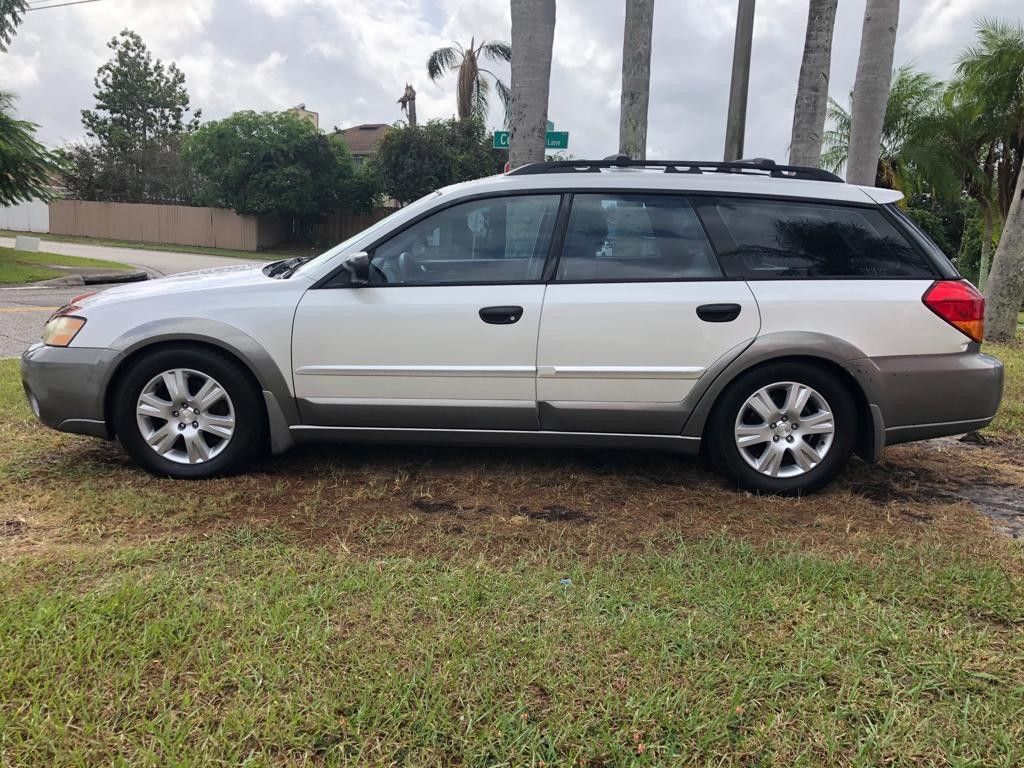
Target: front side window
{"x": 634, "y": 237}
{"x": 772, "y": 239}
{"x": 493, "y": 240}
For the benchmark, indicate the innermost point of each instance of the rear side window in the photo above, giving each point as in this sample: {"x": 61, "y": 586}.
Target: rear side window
{"x": 634, "y": 237}
{"x": 773, "y": 239}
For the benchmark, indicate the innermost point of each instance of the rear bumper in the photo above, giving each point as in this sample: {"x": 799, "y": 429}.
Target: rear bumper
{"x": 916, "y": 397}
{"x": 66, "y": 386}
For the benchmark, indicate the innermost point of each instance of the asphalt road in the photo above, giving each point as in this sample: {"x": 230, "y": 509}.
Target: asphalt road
{"x": 24, "y": 309}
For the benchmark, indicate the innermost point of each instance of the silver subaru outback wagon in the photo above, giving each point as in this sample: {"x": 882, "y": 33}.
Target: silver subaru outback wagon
{"x": 771, "y": 315}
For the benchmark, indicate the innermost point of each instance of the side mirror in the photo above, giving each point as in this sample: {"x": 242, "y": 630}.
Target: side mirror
{"x": 357, "y": 267}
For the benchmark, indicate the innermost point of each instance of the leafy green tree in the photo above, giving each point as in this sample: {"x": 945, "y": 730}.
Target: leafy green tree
{"x": 413, "y": 160}
{"x": 26, "y": 166}
{"x": 138, "y": 100}
{"x": 11, "y": 12}
{"x": 473, "y": 90}
{"x": 272, "y": 163}
{"x": 991, "y": 75}
{"x": 137, "y": 128}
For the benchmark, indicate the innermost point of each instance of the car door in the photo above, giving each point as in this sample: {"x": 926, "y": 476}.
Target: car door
{"x": 636, "y": 313}
{"x": 445, "y": 334}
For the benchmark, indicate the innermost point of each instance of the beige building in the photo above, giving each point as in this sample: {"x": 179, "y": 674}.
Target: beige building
{"x": 300, "y": 111}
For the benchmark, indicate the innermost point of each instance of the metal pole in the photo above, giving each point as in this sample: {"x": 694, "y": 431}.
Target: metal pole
{"x": 737, "y": 116}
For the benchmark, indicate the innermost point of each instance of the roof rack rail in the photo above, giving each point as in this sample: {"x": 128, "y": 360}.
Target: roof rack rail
{"x": 758, "y": 166}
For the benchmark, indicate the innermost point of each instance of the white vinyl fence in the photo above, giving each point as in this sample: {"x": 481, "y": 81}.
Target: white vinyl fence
{"x": 26, "y": 217}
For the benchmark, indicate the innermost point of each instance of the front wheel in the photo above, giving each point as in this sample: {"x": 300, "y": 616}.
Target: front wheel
{"x": 189, "y": 413}
{"x": 784, "y": 428}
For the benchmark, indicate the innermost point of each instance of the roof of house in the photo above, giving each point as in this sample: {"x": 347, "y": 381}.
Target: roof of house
{"x": 363, "y": 139}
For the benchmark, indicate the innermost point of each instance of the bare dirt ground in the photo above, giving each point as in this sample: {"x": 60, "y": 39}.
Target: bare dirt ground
{"x": 423, "y": 501}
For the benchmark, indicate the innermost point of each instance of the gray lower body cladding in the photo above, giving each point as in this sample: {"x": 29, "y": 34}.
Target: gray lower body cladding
{"x": 66, "y": 386}
{"x": 924, "y": 396}
{"x": 910, "y": 397}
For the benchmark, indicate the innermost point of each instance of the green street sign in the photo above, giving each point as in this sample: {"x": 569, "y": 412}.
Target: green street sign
{"x": 552, "y": 140}
{"x": 556, "y": 140}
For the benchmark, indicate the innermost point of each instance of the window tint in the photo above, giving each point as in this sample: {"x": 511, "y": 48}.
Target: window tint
{"x": 768, "y": 239}
{"x": 634, "y": 237}
{"x": 494, "y": 240}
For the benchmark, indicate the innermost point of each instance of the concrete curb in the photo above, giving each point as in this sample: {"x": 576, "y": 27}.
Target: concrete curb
{"x": 103, "y": 278}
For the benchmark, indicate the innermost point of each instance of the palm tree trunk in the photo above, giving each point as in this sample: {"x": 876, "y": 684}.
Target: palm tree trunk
{"x": 736, "y": 119}
{"x": 986, "y": 249}
{"x": 636, "y": 78}
{"x": 871, "y": 89}
{"x": 1006, "y": 281}
{"x": 533, "y": 33}
{"x": 812, "y": 87}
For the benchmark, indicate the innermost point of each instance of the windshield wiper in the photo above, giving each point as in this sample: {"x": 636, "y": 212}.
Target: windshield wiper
{"x": 282, "y": 270}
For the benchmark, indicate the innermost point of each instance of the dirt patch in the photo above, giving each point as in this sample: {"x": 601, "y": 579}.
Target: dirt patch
{"x": 12, "y": 527}
{"x": 499, "y": 503}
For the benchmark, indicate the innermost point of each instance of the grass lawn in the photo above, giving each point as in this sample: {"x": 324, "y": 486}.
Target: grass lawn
{"x": 276, "y": 253}
{"x": 27, "y": 267}
{"x": 427, "y": 606}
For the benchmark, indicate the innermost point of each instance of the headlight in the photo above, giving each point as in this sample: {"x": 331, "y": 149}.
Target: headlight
{"x": 61, "y": 329}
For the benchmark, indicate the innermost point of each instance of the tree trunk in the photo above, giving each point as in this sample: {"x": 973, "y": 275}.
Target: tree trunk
{"x": 636, "y": 78}
{"x": 736, "y": 119}
{"x": 1006, "y": 280}
{"x": 533, "y": 33}
{"x": 871, "y": 90}
{"x": 812, "y": 87}
{"x": 986, "y": 250}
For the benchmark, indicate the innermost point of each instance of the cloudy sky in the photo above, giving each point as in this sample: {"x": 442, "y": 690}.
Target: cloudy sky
{"x": 350, "y": 59}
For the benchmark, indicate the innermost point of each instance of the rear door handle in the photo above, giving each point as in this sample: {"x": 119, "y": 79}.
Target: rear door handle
{"x": 501, "y": 315}
{"x": 718, "y": 313}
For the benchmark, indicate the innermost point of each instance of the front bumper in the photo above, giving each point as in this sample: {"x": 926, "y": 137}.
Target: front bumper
{"x": 916, "y": 397}
{"x": 66, "y": 386}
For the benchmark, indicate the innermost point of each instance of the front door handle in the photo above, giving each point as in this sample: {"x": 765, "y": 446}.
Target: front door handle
{"x": 718, "y": 313}
{"x": 501, "y": 315}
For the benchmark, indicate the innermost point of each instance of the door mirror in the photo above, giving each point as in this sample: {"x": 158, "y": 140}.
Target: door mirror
{"x": 356, "y": 267}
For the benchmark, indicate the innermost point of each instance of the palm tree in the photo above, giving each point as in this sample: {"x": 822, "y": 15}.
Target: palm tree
{"x": 533, "y": 33}
{"x": 871, "y": 89}
{"x": 991, "y": 74}
{"x": 11, "y": 12}
{"x": 912, "y": 97}
{"x": 26, "y": 166}
{"x": 473, "y": 91}
{"x": 812, "y": 87}
{"x": 636, "y": 78}
{"x": 736, "y": 117}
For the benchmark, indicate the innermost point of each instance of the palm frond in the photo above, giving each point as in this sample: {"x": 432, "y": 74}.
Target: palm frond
{"x": 442, "y": 60}
{"x": 496, "y": 50}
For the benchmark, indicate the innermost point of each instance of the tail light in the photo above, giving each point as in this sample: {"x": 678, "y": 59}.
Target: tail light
{"x": 960, "y": 304}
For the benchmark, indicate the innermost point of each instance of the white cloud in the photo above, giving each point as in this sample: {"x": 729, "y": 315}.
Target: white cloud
{"x": 350, "y": 59}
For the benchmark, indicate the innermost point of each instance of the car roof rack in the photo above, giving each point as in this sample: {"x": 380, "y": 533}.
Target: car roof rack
{"x": 758, "y": 166}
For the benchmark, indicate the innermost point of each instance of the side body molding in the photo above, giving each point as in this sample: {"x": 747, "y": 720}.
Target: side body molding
{"x": 281, "y": 409}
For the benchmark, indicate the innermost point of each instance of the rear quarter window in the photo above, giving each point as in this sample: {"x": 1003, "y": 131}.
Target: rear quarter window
{"x": 779, "y": 239}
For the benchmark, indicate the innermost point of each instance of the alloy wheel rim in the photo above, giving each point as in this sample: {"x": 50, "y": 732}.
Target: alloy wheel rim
{"x": 185, "y": 416}
{"x": 784, "y": 429}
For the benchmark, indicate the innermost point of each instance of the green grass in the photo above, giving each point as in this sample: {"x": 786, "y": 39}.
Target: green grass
{"x": 275, "y": 253}
{"x": 28, "y": 267}
{"x": 1009, "y": 421}
{"x": 244, "y": 649}
{"x": 401, "y": 606}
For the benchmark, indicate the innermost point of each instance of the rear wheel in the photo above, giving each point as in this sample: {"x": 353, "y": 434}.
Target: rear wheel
{"x": 783, "y": 428}
{"x": 189, "y": 413}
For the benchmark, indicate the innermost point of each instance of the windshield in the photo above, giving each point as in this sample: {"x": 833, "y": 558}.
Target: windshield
{"x": 379, "y": 226}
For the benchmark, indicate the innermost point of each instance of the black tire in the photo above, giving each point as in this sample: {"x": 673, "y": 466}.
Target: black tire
{"x": 246, "y": 442}
{"x": 720, "y": 432}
